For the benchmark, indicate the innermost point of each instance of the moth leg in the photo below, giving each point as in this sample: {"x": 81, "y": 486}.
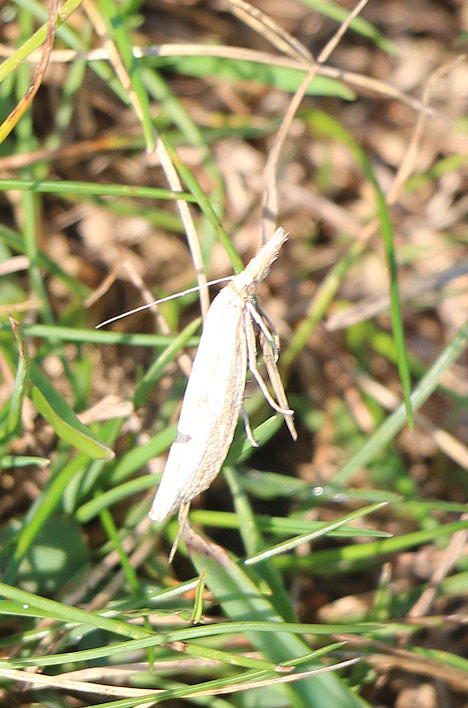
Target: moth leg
{"x": 275, "y": 378}
{"x": 270, "y": 348}
{"x": 252, "y": 361}
{"x": 248, "y": 429}
{"x": 269, "y": 332}
{"x": 183, "y": 513}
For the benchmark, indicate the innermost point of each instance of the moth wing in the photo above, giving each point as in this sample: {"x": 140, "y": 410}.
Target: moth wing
{"x": 210, "y": 408}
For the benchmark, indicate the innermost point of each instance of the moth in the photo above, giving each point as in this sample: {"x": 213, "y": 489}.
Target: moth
{"x": 214, "y": 394}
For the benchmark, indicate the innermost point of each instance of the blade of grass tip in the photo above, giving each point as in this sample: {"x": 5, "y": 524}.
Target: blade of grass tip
{"x": 88, "y": 480}
{"x": 396, "y": 420}
{"x": 348, "y": 558}
{"x": 293, "y": 543}
{"x": 197, "y": 610}
{"x": 241, "y": 448}
{"x": 228, "y": 658}
{"x": 205, "y": 206}
{"x": 54, "y": 408}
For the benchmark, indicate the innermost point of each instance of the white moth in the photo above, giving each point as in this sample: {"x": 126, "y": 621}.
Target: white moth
{"x": 215, "y": 390}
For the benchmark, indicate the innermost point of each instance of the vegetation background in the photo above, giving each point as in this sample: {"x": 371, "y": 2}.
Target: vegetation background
{"x": 346, "y": 550}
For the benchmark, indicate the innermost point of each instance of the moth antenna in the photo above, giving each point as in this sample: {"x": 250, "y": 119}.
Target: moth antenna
{"x": 163, "y": 299}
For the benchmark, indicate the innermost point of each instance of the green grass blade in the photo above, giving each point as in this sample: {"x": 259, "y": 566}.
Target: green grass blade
{"x": 104, "y": 500}
{"x": 118, "y": 33}
{"x": 358, "y": 24}
{"x": 72, "y": 334}
{"x": 337, "y": 560}
{"x": 64, "y": 187}
{"x": 19, "y": 461}
{"x": 34, "y": 42}
{"x": 252, "y": 539}
{"x": 241, "y": 599}
{"x": 327, "y": 125}
{"x": 157, "y": 369}
{"x": 60, "y": 611}
{"x": 279, "y": 77}
{"x": 293, "y": 543}
{"x": 286, "y": 526}
{"x": 53, "y": 407}
{"x": 205, "y": 205}
{"x": 48, "y": 501}
{"x": 390, "y": 427}
{"x": 138, "y": 457}
{"x": 12, "y": 423}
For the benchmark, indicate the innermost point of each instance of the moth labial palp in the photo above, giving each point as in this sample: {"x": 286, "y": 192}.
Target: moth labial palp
{"x": 214, "y": 394}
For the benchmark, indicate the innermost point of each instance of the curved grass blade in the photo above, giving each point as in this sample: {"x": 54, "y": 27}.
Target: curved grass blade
{"x": 53, "y": 407}
{"x": 104, "y": 500}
